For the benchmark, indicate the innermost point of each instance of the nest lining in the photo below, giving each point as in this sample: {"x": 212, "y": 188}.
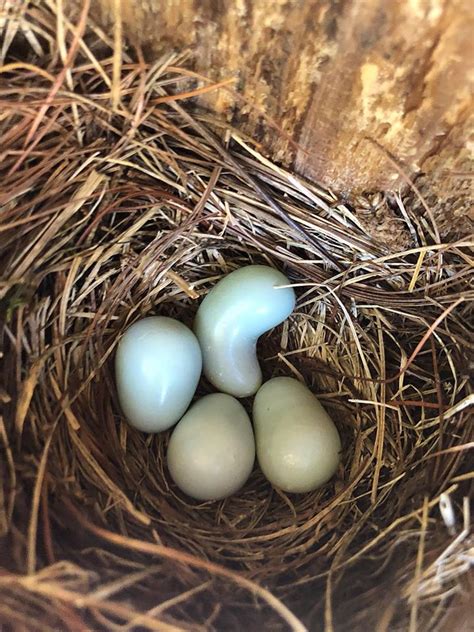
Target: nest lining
{"x": 111, "y": 214}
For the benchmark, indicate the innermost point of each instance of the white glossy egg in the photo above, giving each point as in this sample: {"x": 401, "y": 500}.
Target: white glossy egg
{"x": 212, "y": 450}
{"x": 298, "y": 445}
{"x": 229, "y": 321}
{"x": 157, "y": 369}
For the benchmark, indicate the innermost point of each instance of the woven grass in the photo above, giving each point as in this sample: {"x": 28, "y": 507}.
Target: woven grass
{"x": 120, "y": 199}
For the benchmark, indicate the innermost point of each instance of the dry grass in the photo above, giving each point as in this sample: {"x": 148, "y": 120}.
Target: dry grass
{"x": 118, "y": 201}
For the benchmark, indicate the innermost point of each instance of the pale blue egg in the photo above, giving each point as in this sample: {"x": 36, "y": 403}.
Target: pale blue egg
{"x": 157, "y": 369}
{"x": 236, "y": 312}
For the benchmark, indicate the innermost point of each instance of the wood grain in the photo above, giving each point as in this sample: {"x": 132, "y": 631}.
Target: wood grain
{"x": 350, "y": 81}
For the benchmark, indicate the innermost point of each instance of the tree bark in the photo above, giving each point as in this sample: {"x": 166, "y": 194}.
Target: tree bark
{"x": 361, "y": 86}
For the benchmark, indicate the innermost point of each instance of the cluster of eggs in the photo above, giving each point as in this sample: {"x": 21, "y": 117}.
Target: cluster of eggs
{"x": 212, "y": 449}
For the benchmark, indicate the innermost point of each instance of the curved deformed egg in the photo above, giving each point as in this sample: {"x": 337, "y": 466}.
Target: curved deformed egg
{"x": 298, "y": 445}
{"x": 229, "y": 321}
{"x": 212, "y": 449}
{"x": 157, "y": 369}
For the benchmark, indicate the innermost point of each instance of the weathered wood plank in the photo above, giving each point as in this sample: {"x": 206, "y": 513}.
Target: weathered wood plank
{"x": 332, "y": 74}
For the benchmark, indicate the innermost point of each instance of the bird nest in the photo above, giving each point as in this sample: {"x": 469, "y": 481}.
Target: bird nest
{"x": 120, "y": 200}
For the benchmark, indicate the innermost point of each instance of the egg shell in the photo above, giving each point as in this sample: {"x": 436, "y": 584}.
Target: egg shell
{"x": 298, "y": 445}
{"x": 212, "y": 450}
{"x": 157, "y": 368}
{"x": 236, "y": 312}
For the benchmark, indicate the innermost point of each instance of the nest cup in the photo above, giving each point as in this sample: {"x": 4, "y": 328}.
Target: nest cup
{"x": 110, "y": 215}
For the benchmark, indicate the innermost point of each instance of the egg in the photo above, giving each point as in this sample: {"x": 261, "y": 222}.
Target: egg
{"x": 157, "y": 368}
{"x": 231, "y": 318}
{"x": 298, "y": 445}
{"x": 212, "y": 449}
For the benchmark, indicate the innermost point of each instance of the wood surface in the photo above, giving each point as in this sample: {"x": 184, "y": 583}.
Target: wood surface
{"x": 359, "y": 85}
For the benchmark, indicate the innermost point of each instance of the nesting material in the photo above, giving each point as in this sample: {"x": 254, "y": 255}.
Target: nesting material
{"x": 120, "y": 200}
